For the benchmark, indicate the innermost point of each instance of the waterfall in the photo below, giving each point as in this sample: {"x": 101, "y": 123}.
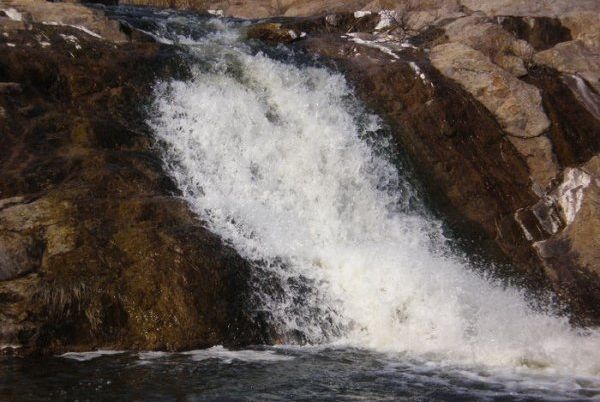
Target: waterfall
{"x": 282, "y": 162}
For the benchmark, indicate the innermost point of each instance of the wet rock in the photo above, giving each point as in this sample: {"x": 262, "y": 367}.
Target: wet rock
{"x": 8, "y": 88}
{"x": 492, "y": 171}
{"x": 273, "y": 33}
{"x": 96, "y": 249}
{"x": 541, "y": 33}
{"x": 572, "y": 256}
{"x": 516, "y": 105}
{"x": 575, "y": 58}
{"x": 574, "y": 130}
{"x": 320, "y": 7}
{"x": 500, "y": 46}
{"x": 19, "y": 255}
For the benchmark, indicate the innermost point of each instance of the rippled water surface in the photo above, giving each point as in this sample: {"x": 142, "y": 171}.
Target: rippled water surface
{"x": 270, "y": 374}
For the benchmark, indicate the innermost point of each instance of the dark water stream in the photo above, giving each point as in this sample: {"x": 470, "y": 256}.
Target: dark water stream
{"x": 271, "y": 375}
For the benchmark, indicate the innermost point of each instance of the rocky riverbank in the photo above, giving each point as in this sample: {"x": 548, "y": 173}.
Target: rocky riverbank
{"x": 496, "y": 104}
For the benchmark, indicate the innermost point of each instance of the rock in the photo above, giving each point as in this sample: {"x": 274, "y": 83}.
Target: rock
{"x": 303, "y": 8}
{"x": 538, "y": 8}
{"x": 575, "y": 58}
{"x": 10, "y": 88}
{"x": 19, "y": 255}
{"x": 96, "y": 248}
{"x": 90, "y": 21}
{"x": 273, "y": 33}
{"x": 500, "y": 46}
{"x": 540, "y": 32}
{"x": 540, "y": 158}
{"x": 572, "y": 256}
{"x": 574, "y": 130}
{"x": 583, "y": 25}
{"x": 516, "y": 104}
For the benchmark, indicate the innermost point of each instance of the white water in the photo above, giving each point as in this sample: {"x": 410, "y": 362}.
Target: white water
{"x": 273, "y": 158}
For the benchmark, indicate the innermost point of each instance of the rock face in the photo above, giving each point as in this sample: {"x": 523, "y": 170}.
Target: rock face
{"x": 96, "y": 250}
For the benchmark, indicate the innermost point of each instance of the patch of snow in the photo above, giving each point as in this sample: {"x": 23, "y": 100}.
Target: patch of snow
{"x": 11, "y": 45}
{"x": 13, "y": 14}
{"x": 361, "y": 14}
{"x": 570, "y": 193}
{"x": 45, "y": 44}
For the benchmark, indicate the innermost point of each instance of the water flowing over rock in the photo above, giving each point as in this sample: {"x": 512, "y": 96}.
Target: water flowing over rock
{"x": 493, "y": 104}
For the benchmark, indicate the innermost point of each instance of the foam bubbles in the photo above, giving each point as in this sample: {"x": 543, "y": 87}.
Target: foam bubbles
{"x": 274, "y": 158}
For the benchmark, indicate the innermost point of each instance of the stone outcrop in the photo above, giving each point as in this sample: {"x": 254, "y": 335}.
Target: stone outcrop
{"x": 96, "y": 248}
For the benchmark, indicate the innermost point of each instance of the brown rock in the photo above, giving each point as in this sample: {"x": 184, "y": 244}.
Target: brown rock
{"x": 516, "y": 104}
{"x": 96, "y": 249}
{"x": 540, "y": 158}
{"x": 92, "y": 22}
{"x": 576, "y": 58}
{"x": 500, "y": 46}
{"x": 10, "y": 88}
{"x": 572, "y": 256}
{"x": 538, "y": 8}
{"x": 273, "y": 33}
{"x": 540, "y": 32}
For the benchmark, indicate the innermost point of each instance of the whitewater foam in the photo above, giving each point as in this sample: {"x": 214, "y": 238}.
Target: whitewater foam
{"x": 279, "y": 160}
{"x": 87, "y": 356}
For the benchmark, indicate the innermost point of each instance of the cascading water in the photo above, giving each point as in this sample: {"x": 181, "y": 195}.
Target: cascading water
{"x": 280, "y": 161}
